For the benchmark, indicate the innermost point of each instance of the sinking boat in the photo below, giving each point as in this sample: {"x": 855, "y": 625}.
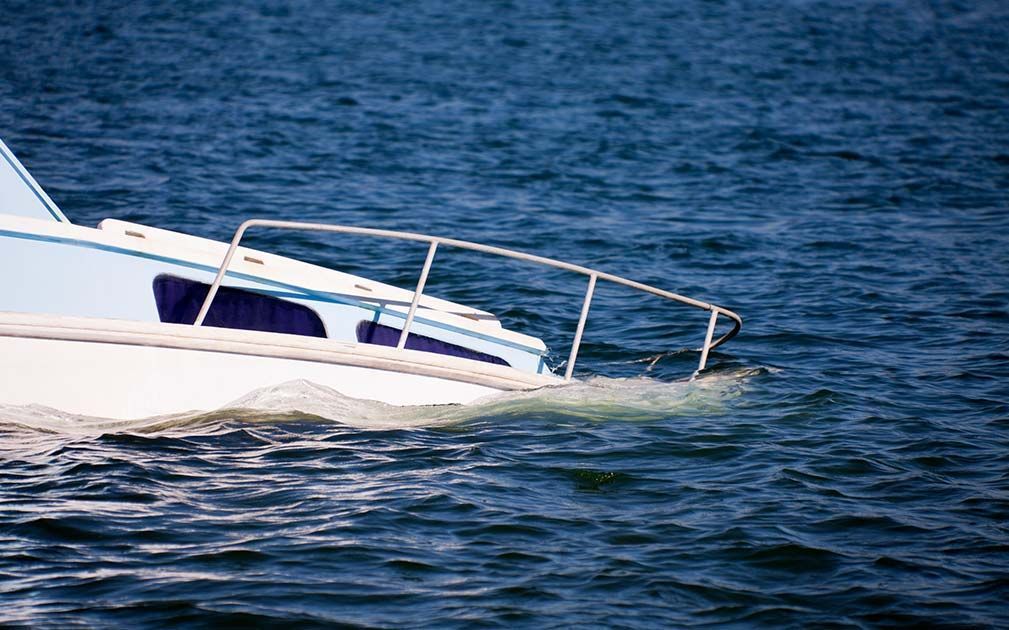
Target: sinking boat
{"x": 129, "y": 321}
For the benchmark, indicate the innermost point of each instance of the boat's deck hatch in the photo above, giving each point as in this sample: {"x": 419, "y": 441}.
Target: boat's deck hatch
{"x": 370, "y": 332}
{"x": 179, "y": 301}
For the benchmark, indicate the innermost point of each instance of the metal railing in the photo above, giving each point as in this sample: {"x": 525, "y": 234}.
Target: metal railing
{"x": 435, "y": 241}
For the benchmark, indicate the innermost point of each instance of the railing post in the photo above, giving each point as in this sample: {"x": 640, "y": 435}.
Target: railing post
{"x": 581, "y": 327}
{"x": 212, "y": 293}
{"x": 416, "y": 295}
{"x": 707, "y": 340}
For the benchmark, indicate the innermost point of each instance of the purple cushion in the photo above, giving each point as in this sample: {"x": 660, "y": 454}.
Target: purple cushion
{"x": 370, "y": 332}
{"x": 179, "y": 301}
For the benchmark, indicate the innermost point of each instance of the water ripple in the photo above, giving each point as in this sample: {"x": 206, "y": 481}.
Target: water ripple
{"x": 837, "y": 174}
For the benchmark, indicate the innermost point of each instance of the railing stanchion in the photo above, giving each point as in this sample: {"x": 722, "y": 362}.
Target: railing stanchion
{"x": 212, "y": 293}
{"x": 416, "y": 295}
{"x": 707, "y": 341}
{"x": 581, "y": 327}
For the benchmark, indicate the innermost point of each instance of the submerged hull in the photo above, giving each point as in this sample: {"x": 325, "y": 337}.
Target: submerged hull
{"x": 128, "y": 370}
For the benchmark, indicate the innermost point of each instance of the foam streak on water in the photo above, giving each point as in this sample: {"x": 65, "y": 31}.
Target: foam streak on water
{"x": 599, "y": 398}
{"x": 835, "y": 172}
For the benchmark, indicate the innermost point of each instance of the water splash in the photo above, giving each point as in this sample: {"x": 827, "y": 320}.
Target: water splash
{"x": 598, "y": 398}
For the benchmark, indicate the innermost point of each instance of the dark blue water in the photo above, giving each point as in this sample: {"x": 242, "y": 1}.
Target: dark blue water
{"x": 838, "y": 173}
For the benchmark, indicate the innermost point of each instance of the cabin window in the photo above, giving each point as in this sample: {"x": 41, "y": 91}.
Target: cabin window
{"x": 370, "y": 332}
{"x": 179, "y": 301}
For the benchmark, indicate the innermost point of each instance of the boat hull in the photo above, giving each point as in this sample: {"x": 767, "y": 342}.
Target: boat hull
{"x": 129, "y": 370}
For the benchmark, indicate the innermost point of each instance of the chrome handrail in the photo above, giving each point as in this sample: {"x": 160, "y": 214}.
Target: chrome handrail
{"x": 435, "y": 241}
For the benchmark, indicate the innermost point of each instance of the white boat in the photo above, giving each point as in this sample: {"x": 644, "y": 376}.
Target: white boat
{"x": 127, "y": 321}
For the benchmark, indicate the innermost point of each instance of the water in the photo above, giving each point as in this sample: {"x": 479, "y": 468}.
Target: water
{"x": 835, "y": 172}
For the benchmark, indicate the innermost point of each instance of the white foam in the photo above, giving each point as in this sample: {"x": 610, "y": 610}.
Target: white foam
{"x": 598, "y": 398}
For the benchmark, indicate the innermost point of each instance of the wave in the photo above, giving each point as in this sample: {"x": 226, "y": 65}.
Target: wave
{"x": 598, "y": 398}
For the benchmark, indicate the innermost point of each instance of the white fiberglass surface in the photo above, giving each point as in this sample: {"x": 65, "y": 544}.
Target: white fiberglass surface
{"x": 129, "y": 381}
{"x": 20, "y": 194}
